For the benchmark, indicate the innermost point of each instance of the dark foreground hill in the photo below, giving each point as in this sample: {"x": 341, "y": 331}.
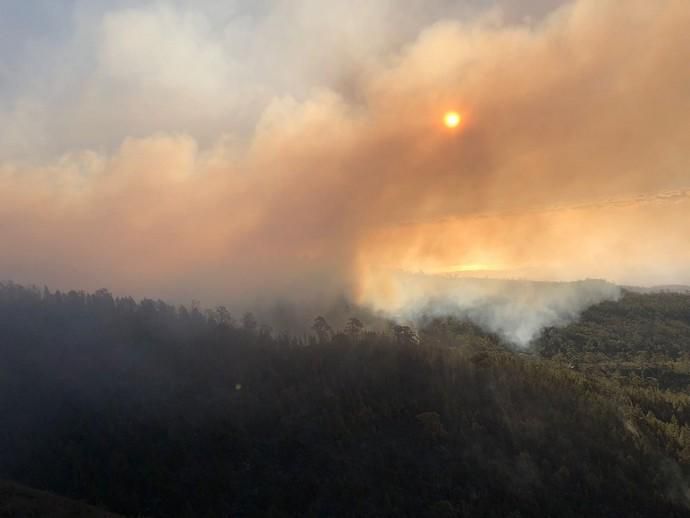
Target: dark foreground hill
{"x": 150, "y": 410}
{"x": 20, "y": 502}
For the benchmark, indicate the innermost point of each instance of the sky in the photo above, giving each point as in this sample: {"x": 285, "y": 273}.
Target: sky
{"x": 240, "y": 150}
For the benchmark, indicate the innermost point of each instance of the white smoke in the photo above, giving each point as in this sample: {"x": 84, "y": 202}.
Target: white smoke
{"x": 516, "y": 310}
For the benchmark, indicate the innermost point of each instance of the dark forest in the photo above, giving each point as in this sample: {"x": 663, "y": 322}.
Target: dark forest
{"x": 147, "y": 409}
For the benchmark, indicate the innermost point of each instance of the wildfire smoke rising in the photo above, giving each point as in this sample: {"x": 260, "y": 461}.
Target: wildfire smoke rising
{"x": 355, "y": 177}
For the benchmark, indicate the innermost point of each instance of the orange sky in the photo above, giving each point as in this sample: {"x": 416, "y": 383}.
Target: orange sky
{"x": 571, "y": 162}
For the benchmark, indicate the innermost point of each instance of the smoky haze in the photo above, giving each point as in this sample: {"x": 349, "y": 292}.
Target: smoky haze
{"x": 516, "y": 311}
{"x": 172, "y": 171}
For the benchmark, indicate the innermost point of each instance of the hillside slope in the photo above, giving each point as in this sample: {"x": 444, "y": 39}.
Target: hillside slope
{"x": 160, "y": 411}
{"x": 18, "y": 501}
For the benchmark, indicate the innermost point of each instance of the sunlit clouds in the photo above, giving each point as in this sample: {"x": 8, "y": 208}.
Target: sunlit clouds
{"x": 172, "y": 169}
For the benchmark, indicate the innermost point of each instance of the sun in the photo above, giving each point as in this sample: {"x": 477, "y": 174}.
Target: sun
{"x": 452, "y": 119}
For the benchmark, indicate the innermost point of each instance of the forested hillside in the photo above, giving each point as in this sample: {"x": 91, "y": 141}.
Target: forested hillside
{"x": 17, "y": 501}
{"x": 147, "y": 409}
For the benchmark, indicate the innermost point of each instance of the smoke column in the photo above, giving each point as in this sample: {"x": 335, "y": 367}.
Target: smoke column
{"x": 170, "y": 167}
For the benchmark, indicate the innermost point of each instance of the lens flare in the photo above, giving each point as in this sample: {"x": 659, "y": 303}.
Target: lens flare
{"x": 452, "y": 119}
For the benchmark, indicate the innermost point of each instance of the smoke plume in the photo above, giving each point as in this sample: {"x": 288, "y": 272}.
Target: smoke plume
{"x": 168, "y": 166}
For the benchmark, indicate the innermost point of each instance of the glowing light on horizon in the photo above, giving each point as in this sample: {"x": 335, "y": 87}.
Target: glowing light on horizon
{"x": 473, "y": 267}
{"x": 467, "y": 268}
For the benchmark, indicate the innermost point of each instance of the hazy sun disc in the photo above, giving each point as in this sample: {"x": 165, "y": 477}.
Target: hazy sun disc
{"x": 452, "y": 119}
